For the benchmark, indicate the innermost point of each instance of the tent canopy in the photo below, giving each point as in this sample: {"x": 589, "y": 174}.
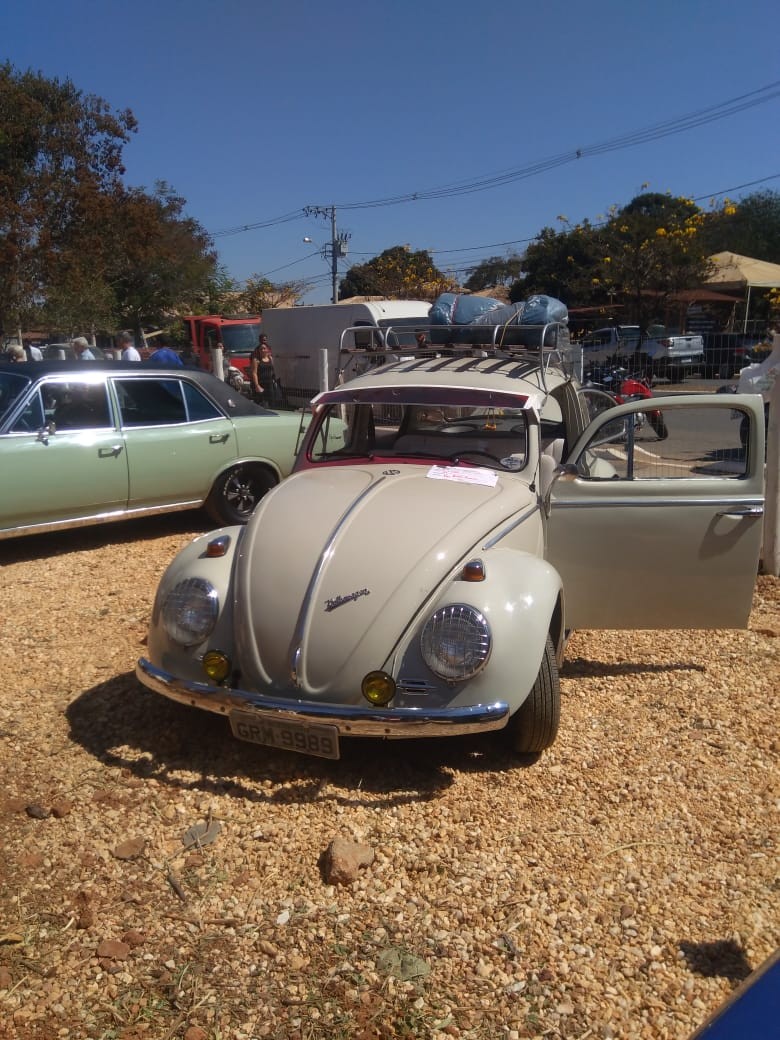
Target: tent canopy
{"x": 733, "y": 271}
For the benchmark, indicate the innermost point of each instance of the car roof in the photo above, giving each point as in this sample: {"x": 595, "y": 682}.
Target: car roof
{"x": 233, "y": 402}
{"x": 518, "y": 375}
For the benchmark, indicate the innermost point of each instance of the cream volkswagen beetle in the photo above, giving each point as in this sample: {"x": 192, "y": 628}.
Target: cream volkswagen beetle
{"x": 449, "y": 520}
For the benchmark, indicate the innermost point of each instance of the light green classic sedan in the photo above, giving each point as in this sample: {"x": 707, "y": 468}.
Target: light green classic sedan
{"x": 87, "y": 442}
{"x": 418, "y": 574}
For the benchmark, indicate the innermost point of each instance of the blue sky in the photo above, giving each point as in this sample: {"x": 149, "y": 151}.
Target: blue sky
{"x": 254, "y": 110}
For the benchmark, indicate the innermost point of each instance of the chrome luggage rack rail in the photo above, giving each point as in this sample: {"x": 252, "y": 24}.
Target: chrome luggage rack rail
{"x": 546, "y": 345}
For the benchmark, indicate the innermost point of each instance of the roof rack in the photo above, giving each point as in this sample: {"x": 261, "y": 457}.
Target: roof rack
{"x": 547, "y": 344}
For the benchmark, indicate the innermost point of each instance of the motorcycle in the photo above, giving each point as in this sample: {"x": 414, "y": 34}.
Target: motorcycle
{"x": 624, "y": 386}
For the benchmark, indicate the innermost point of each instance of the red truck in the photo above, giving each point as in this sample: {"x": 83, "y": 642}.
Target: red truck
{"x": 238, "y": 334}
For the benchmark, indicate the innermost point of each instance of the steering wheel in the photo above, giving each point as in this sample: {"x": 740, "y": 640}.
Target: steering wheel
{"x": 463, "y": 427}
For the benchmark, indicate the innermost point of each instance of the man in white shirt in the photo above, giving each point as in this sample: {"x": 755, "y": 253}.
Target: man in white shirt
{"x": 128, "y": 352}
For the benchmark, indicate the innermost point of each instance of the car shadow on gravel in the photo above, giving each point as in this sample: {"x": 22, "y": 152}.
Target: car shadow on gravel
{"x": 97, "y": 536}
{"x": 125, "y": 726}
{"x": 582, "y": 667}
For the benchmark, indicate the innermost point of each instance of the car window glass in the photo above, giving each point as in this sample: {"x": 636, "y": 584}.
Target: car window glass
{"x": 150, "y": 402}
{"x": 78, "y": 406}
{"x": 31, "y": 418}
{"x": 198, "y": 405}
{"x": 11, "y": 386}
{"x": 669, "y": 443}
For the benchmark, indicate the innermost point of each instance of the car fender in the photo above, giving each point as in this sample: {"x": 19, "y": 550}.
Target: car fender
{"x": 522, "y": 601}
{"x": 196, "y": 561}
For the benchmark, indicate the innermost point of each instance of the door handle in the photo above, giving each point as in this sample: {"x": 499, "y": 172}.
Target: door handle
{"x": 218, "y": 438}
{"x": 743, "y": 511}
{"x": 110, "y": 453}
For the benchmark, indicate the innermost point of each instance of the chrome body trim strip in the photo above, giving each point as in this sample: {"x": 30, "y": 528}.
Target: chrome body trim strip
{"x": 99, "y": 518}
{"x": 510, "y": 527}
{"x": 727, "y": 502}
{"x": 350, "y": 720}
{"x": 295, "y": 652}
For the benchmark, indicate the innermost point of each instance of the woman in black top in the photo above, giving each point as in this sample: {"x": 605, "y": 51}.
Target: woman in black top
{"x": 262, "y": 375}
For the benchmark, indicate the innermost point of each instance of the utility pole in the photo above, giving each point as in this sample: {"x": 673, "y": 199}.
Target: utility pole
{"x": 336, "y": 249}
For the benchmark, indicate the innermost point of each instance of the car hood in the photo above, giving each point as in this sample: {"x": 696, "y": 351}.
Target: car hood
{"x": 336, "y": 562}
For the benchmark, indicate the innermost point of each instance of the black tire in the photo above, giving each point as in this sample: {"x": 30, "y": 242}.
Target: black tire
{"x": 236, "y": 493}
{"x": 656, "y": 420}
{"x": 534, "y": 726}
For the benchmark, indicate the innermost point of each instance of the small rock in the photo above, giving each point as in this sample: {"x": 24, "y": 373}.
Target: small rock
{"x": 343, "y": 860}
{"x": 113, "y": 949}
{"x": 86, "y": 919}
{"x": 14, "y": 805}
{"x": 37, "y": 812}
{"x": 130, "y": 849}
{"x": 61, "y": 809}
{"x": 134, "y": 938}
{"x": 6, "y": 978}
{"x": 195, "y": 1033}
{"x": 268, "y": 948}
{"x": 32, "y": 860}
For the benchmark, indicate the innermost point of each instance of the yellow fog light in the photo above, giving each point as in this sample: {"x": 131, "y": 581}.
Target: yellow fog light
{"x": 378, "y": 688}
{"x": 216, "y": 665}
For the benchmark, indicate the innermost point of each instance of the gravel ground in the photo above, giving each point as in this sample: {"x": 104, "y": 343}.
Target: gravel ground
{"x": 619, "y": 886}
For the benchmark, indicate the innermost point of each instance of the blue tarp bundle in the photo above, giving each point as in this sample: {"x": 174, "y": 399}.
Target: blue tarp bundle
{"x": 482, "y": 312}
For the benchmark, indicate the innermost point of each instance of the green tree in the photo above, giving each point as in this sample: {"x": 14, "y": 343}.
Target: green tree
{"x": 496, "y": 270}
{"x": 156, "y": 258}
{"x": 259, "y": 293}
{"x": 561, "y": 264}
{"x": 750, "y": 227}
{"x": 652, "y": 248}
{"x": 397, "y": 273}
{"x": 60, "y": 150}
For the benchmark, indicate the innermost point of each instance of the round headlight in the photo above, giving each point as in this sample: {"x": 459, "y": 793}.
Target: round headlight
{"x": 455, "y": 642}
{"x": 190, "y": 611}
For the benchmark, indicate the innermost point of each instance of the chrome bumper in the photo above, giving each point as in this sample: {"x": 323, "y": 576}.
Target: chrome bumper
{"x": 350, "y": 720}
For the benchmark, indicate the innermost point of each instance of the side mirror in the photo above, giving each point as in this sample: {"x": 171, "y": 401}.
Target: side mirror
{"x": 47, "y": 431}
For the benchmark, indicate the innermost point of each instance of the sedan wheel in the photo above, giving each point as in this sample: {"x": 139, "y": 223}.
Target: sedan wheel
{"x": 534, "y": 725}
{"x": 235, "y": 495}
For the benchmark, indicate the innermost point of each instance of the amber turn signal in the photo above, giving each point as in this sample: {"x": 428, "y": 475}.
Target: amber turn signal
{"x": 378, "y": 688}
{"x": 216, "y": 665}
{"x": 218, "y": 546}
{"x": 473, "y": 571}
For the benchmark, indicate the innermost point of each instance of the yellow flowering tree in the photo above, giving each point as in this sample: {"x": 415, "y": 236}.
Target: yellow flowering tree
{"x": 652, "y": 248}
{"x": 397, "y": 273}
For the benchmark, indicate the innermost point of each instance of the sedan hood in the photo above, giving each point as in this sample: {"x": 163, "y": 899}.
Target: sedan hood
{"x": 336, "y": 562}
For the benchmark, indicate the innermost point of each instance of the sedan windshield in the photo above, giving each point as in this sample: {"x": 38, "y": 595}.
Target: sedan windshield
{"x": 472, "y": 434}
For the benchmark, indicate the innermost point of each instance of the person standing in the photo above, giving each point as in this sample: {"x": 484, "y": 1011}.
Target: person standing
{"x": 81, "y": 347}
{"x": 262, "y": 375}
{"x": 164, "y": 356}
{"x": 127, "y": 348}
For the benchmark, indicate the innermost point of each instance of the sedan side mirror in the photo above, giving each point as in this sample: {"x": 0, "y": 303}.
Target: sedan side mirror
{"x": 47, "y": 431}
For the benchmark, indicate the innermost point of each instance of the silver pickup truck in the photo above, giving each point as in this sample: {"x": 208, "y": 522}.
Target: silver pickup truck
{"x": 662, "y": 353}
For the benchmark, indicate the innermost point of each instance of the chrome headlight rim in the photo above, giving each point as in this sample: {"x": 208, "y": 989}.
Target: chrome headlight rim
{"x": 456, "y": 642}
{"x": 190, "y": 611}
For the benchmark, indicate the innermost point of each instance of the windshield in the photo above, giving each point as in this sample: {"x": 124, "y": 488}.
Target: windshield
{"x": 12, "y": 384}
{"x": 240, "y": 339}
{"x": 475, "y": 433}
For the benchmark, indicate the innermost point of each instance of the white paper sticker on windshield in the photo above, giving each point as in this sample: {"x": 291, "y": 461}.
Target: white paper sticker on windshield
{"x": 464, "y": 475}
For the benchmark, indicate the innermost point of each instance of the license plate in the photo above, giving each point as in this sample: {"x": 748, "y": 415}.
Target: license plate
{"x": 305, "y": 737}
{"x": 686, "y": 361}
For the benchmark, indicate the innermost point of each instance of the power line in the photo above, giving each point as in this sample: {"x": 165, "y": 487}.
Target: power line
{"x": 654, "y": 132}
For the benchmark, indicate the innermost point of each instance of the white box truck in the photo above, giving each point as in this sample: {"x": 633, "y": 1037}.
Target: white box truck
{"x": 298, "y": 335}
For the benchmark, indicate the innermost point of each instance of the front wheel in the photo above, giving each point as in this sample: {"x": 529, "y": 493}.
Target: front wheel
{"x": 657, "y": 422}
{"x": 236, "y": 493}
{"x": 534, "y": 726}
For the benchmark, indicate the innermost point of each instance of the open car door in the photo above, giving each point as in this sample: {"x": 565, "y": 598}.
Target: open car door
{"x": 651, "y": 533}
